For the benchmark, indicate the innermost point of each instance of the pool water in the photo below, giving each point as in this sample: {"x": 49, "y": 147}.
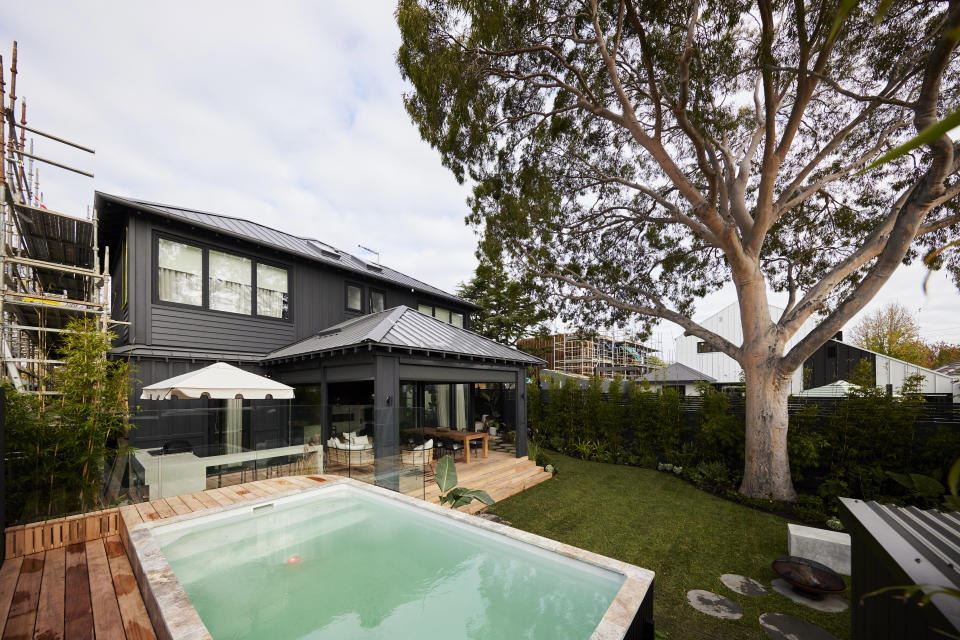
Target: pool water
{"x": 346, "y": 565}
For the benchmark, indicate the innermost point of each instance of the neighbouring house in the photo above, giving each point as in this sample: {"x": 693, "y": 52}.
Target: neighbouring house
{"x": 591, "y": 354}
{"x": 369, "y": 351}
{"x": 679, "y": 377}
{"x": 953, "y": 370}
{"x": 834, "y": 360}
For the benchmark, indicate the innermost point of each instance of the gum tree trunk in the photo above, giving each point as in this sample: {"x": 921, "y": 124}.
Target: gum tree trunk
{"x": 766, "y": 472}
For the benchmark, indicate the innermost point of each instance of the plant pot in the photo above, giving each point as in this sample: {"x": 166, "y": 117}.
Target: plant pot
{"x": 492, "y": 431}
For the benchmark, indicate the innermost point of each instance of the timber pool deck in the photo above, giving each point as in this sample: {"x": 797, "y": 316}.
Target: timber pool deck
{"x": 71, "y": 579}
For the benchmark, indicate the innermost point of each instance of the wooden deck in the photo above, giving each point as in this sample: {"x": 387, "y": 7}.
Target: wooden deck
{"x": 74, "y": 584}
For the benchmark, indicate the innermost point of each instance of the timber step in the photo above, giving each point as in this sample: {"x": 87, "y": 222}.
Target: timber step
{"x": 479, "y": 480}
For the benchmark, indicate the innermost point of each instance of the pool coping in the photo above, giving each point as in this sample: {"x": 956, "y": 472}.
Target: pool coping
{"x": 175, "y": 618}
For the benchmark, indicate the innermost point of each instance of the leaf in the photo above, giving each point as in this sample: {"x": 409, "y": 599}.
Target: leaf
{"x": 446, "y": 475}
{"x": 902, "y": 479}
{"x": 846, "y": 6}
{"x": 927, "y": 486}
{"x": 953, "y": 477}
{"x": 926, "y": 136}
{"x": 951, "y": 502}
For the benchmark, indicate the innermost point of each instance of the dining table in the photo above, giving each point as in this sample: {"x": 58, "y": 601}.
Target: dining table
{"x": 455, "y": 434}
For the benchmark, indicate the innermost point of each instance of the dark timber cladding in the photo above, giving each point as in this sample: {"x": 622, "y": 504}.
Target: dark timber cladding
{"x": 895, "y": 546}
{"x": 189, "y": 284}
{"x": 834, "y": 361}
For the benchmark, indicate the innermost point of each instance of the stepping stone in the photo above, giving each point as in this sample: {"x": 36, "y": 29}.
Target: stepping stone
{"x": 832, "y": 603}
{"x": 713, "y": 604}
{"x": 743, "y": 585}
{"x": 779, "y": 626}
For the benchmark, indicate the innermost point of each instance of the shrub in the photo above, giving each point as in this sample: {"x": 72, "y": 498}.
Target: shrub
{"x": 810, "y": 509}
{"x": 714, "y": 476}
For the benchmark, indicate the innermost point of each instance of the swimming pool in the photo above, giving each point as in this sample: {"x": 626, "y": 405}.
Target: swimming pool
{"x": 347, "y": 560}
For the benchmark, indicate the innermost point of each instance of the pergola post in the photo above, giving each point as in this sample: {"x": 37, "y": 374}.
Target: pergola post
{"x": 521, "y": 399}
{"x": 386, "y": 422}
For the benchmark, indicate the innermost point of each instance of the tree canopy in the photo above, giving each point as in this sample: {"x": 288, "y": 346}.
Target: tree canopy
{"x": 635, "y": 156}
{"x": 510, "y": 308}
{"x": 894, "y": 331}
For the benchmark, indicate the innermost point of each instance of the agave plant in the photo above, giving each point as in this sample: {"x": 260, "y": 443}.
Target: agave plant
{"x": 450, "y": 493}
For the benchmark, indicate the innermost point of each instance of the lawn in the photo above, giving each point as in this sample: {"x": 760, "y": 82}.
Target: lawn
{"x": 659, "y": 522}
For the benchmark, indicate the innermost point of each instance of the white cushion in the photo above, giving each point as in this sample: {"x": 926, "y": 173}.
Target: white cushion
{"x": 333, "y": 443}
{"x": 426, "y": 445}
{"x": 348, "y": 436}
{"x": 360, "y": 440}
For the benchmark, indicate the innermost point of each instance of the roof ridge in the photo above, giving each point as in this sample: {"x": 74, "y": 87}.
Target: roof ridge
{"x": 379, "y": 332}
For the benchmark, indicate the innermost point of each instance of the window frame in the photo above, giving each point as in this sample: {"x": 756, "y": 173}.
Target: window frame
{"x": 346, "y": 296}
{"x": 206, "y": 247}
{"x": 705, "y": 347}
{"x": 370, "y": 292}
{"x": 275, "y": 265}
{"x": 451, "y": 310}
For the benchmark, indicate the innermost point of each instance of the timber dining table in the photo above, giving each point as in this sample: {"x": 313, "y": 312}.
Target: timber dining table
{"x": 455, "y": 434}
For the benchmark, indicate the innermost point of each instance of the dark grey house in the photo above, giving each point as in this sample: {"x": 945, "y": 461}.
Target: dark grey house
{"x": 365, "y": 347}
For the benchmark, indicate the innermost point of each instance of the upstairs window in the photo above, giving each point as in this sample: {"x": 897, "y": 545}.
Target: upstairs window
{"x": 354, "y": 298}
{"x": 230, "y": 283}
{"x": 703, "y": 347}
{"x": 273, "y": 296}
{"x": 448, "y": 316}
{"x": 179, "y": 273}
{"x": 378, "y": 301}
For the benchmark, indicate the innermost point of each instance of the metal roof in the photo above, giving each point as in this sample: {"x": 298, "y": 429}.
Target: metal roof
{"x": 404, "y": 328}
{"x": 309, "y": 248}
{"x": 677, "y": 372}
{"x": 924, "y": 543}
{"x": 951, "y": 369}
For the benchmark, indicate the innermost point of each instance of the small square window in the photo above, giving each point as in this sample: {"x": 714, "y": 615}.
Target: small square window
{"x": 179, "y": 272}
{"x": 703, "y": 347}
{"x": 378, "y": 301}
{"x": 442, "y": 314}
{"x": 425, "y": 309}
{"x": 354, "y": 298}
{"x": 456, "y": 319}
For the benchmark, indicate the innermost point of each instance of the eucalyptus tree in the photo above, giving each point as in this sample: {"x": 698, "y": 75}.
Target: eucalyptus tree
{"x": 635, "y": 156}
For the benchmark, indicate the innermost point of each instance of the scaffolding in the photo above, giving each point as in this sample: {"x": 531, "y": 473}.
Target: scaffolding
{"x": 50, "y": 270}
{"x": 591, "y": 354}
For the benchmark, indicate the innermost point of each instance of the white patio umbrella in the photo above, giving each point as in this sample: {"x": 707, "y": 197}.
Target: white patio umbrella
{"x": 219, "y": 381}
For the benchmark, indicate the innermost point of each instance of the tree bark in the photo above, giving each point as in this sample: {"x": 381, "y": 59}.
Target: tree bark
{"x": 766, "y": 472}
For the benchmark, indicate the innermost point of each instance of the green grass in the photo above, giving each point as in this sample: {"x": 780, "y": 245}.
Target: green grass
{"x": 686, "y": 536}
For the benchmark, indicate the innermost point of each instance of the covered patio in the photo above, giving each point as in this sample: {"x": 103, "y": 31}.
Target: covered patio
{"x": 387, "y": 393}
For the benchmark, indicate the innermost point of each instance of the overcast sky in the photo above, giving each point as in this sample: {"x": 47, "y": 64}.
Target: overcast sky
{"x": 288, "y": 114}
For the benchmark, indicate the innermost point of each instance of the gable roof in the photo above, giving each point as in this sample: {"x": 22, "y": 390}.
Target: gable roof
{"x": 950, "y": 369}
{"x": 303, "y": 247}
{"x": 404, "y": 328}
{"x": 676, "y": 373}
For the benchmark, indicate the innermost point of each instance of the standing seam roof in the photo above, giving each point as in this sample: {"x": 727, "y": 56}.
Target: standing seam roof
{"x": 406, "y": 328}
{"x": 289, "y": 243}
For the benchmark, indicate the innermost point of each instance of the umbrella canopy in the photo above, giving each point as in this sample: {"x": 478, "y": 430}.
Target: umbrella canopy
{"x": 218, "y": 381}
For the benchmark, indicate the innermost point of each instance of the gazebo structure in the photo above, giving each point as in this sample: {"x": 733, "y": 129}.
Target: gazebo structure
{"x": 398, "y": 371}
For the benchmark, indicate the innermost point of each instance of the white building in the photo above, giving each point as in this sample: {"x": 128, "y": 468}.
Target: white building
{"x": 831, "y": 362}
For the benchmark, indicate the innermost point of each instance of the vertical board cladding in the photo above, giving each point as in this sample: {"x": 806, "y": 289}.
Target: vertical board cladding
{"x": 835, "y": 361}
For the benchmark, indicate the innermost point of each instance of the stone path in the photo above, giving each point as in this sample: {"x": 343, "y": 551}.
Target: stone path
{"x": 779, "y": 626}
{"x": 714, "y": 604}
{"x": 743, "y": 585}
{"x": 832, "y": 603}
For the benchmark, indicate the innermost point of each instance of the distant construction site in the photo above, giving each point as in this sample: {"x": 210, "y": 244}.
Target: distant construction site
{"x": 591, "y": 354}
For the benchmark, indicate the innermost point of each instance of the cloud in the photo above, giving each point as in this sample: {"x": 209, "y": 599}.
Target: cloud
{"x": 290, "y": 115}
